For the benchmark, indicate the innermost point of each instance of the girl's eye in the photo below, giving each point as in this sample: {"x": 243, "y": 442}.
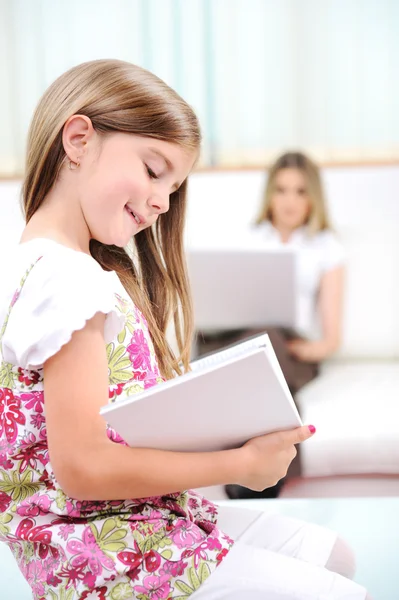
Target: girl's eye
{"x": 151, "y": 173}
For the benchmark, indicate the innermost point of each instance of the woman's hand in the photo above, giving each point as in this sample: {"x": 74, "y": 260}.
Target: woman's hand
{"x": 310, "y": 351}
{"x": 267, "y": 458}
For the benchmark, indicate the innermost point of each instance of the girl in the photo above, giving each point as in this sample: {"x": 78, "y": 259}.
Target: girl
{"x": 109, "y": 152}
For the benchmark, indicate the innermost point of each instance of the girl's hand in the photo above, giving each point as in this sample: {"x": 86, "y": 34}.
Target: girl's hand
{"x": 309, "y": 351}
{"x": 268, "y": 457}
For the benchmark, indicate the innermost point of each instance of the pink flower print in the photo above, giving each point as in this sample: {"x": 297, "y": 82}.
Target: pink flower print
{"x": 65, "y": 531}
{"x": 139, "y": 351}
{"x": 89, "y": 580}
{"x": 193, "y": 503}
{"x": 212, "y": 510}
{"x": 152, "y": 560}
{"x": 221, "y": 555}
{"x": 28, "y": 440}
{"x": 51, "y": 563}
{"x": 37, "y": 420}
{"x": 87, "y": 552}
{"x": 46, "y": 479}
{"x": 43, "y": 434}
{"x": 150, "y": 382}
{"x": 5, "y": 446}
{"x": 33, "y": 507}
{"x": 28, "y": 377}
{"x": 15, "y": 297}
{"x": 115, "y": 437}
{"x": 10, "y": 415}
{"x": 212, "y": 543}
{"x": 115, "y": 390}
{"x": 131, "y": 559}
{"x": 33, "y": 401}
{"x": 228, "y": 539}
{"x": 74, "y": 508}
{"x": 156, "y": 370}
{"x": 198, "y": 553}
{"x": 29, "y": 456}
{"x": 89, "y": 506}
{"x": 154, "y": 588}
{"x": 38, "y": 535}
{"x": 52, "y": 579}
{"x": 97, "y": 594}
{"x": 36, "y": 575}
{"x": 155, "y": 515}
{"x": 72, "y": 574}
{"x": 185, "y": 534}
{"x": 175, "y": 568}
{"x": 139, "y": 375}
{"x": 5, "y": 462}
{"x": 5, "y": 501}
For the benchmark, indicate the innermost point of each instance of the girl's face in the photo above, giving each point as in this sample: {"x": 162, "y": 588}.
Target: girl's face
{"x": 125, "y": 183}
{"x": 290, "y": 203}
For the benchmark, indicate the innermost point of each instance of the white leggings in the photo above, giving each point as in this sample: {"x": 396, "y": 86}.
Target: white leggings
{"x": 276, "y": 558}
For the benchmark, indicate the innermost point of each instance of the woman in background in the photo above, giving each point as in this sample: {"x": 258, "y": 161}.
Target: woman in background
{"x": 293, "y": 214}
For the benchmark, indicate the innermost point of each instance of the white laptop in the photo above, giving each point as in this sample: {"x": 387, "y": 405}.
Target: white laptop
{"x": 234, "y": 289}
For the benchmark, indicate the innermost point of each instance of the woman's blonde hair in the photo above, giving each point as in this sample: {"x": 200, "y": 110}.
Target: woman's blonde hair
{"x": 120, "y": 97}
{"x": 318, "y": 217}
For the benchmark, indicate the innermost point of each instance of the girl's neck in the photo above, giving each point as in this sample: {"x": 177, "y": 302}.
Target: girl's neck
{"x": 284, "y": 232}
{"x": 61, "y": 220}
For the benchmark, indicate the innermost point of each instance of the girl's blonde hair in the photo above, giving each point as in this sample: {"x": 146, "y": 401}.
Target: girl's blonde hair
{"x": 318, "y": 217}
{"x": 120, "y": 97}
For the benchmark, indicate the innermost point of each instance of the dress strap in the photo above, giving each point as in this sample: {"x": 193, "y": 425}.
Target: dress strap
{"x": 15, "y": 298}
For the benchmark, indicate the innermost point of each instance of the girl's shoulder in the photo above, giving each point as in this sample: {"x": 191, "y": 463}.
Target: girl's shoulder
{"x": 55, "y": 256}
{"x": 51, "y": 291}
{"x": 263, "y": 233}
{"x": 330, "y": 248}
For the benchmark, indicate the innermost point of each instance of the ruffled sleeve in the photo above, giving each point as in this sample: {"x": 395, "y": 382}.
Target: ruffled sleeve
{"x": 61, "y": 292}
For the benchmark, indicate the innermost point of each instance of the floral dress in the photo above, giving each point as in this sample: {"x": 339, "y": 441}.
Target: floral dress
{"x": 151, "y": 548}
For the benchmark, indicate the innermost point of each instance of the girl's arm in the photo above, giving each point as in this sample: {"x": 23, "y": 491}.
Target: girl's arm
{"x": 89, "y": 466}
{"x": 330, "y": 310}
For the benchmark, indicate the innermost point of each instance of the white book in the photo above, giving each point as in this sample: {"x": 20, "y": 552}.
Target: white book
{"x": 228, "y": 398}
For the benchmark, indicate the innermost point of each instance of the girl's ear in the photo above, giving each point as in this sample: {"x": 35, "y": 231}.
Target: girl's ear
{"x": 78, "y": 130}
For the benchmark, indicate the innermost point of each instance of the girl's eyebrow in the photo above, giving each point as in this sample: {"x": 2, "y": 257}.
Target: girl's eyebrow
{"x": 169, "y": 165}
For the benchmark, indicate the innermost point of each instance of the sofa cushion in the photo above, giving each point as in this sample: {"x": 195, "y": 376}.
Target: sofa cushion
{"x": 355, "y": 409}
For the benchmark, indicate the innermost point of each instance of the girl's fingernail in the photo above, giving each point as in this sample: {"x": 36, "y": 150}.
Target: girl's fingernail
{"x": 312, "y": 428}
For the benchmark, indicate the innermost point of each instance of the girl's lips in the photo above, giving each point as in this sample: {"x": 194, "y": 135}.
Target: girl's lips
{"x": 136, "y": 216}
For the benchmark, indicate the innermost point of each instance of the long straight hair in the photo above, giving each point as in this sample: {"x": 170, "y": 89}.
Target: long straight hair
{"x": 318, "y": 217}
{"x": 121, "y": 97}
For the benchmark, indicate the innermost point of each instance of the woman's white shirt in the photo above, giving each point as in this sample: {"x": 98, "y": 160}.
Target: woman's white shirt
{"x": 316, "y": 254}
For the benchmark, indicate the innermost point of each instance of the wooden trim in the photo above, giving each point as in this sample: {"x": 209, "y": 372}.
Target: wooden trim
{"x": 222, "y": 169}
{"x": 322, "y": 164}
{"x": 4, "y": 178}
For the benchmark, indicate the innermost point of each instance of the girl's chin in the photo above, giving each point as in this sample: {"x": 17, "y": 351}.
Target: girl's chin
{"x": 121, "y": 241}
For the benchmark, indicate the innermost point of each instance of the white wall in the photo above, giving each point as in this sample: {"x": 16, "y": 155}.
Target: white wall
{"x": 364, "y": 207}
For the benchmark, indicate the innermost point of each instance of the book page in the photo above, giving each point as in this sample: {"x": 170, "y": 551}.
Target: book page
{"x": 236, "y": 350}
